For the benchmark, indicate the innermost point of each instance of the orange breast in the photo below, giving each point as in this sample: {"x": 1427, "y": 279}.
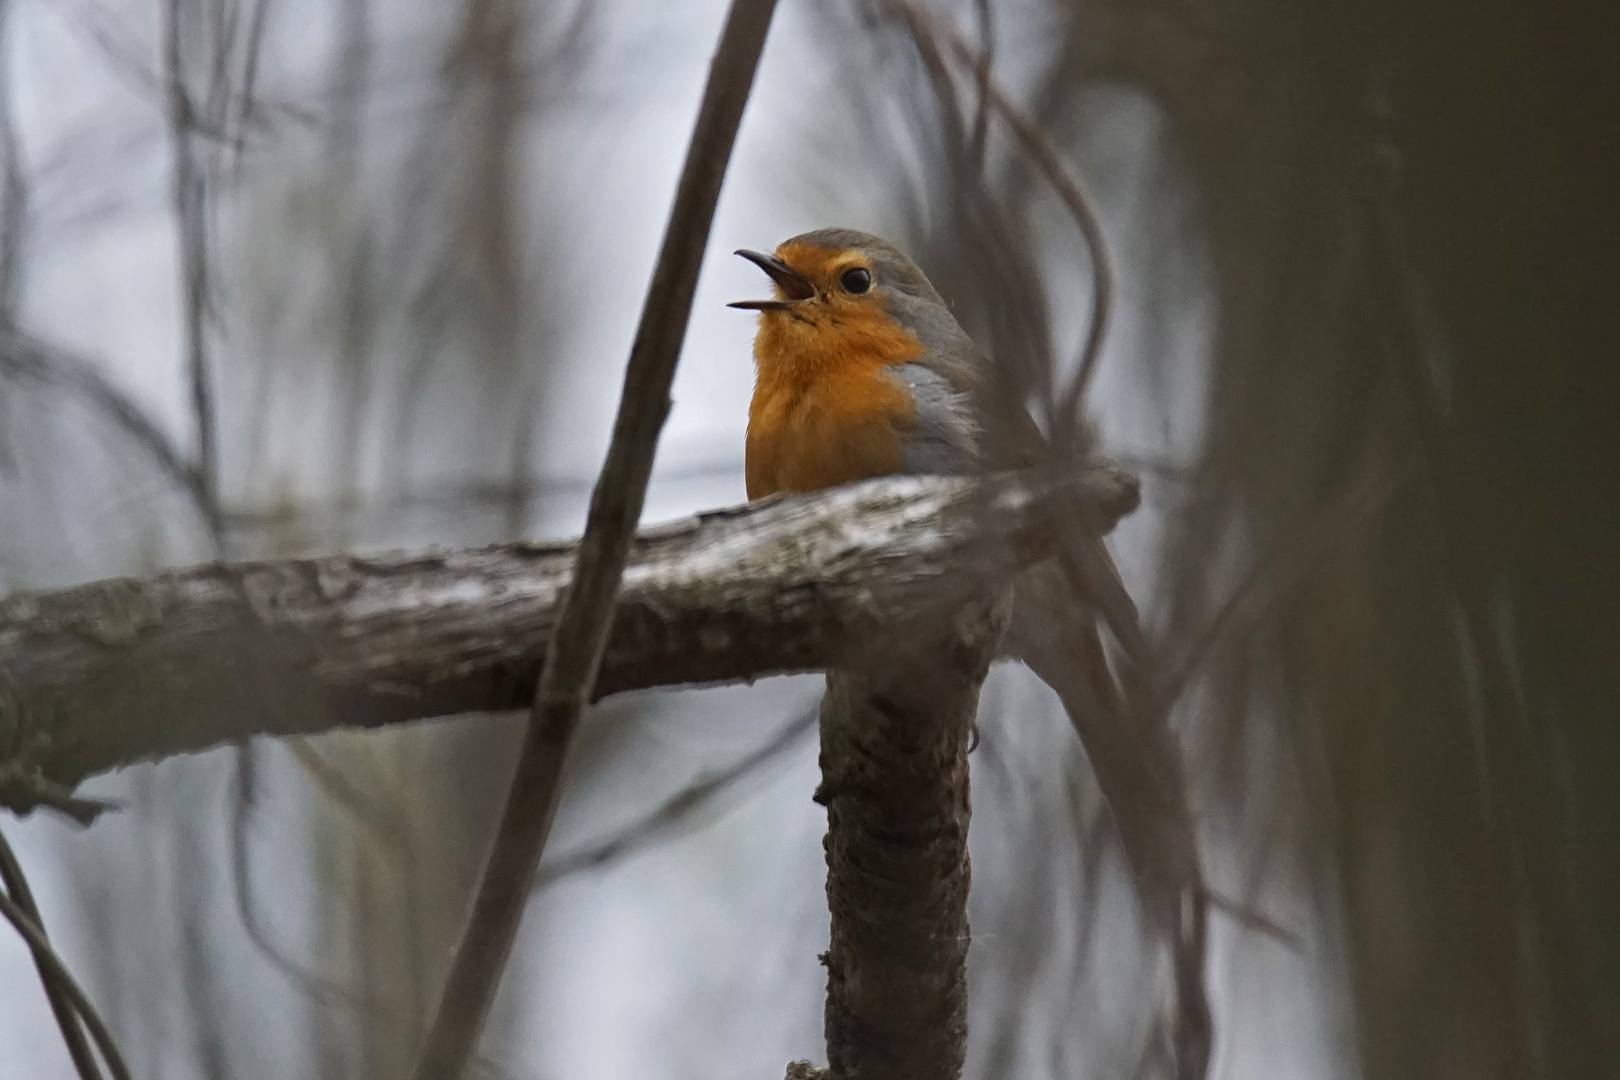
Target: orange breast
{"x": 824, "y": 410}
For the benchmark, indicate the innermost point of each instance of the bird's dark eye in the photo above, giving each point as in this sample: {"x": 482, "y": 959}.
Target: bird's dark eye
{"x": 857, "y": 280}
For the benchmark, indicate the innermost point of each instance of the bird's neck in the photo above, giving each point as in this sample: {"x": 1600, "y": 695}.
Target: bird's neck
{"x": 793, "y": 352}
{"x": 823, "y": 413}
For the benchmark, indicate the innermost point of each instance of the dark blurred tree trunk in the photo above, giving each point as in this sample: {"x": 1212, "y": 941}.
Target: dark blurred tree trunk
{"x": 1411, "y": 215}
{"x": 1505, "y": 118}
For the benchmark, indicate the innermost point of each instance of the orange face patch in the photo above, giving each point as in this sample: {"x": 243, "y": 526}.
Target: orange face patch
{"x": 834, "y": 330}
{"x": 824, "y": 411}
{"x": 822, "y": 265}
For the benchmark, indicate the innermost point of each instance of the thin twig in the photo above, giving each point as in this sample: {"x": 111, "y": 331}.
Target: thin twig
{"x": 385, "y": 823}
{"x": 67, "y": 1020}
{"x": 1249, "y": 917}
{"x": 47, "y": 957}
{"x": 981, "y": 112}
{"x": 320, "y": 989}
{"x": 13, "y": 188}
{"x": 1046, "y": 155}
{"x": 582, "y": 627}
{"x": 316, "y": 987}
{"x": 188, "y": 192}
{"x": 25, "y": 357}
{"x": 1176, "y": 892}
{"x": 674, "y": 811}
{"x": 1012, "y": 299}
{"x": 245, "y": 106}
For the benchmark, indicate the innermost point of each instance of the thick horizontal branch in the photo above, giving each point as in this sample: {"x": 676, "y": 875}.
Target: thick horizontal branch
{"x": 123, "y": 670}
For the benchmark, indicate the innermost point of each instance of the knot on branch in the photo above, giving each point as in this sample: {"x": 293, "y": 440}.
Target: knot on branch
{"x": 23, "y": 783}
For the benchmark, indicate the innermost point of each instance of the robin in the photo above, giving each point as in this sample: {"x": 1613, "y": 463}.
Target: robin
{"x": 862, "y": 371}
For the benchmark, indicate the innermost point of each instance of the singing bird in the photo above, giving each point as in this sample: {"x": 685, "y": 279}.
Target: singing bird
{"x": 862, "y": 370}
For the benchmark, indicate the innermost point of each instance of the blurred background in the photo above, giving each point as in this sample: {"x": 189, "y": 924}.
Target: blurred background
{"x": 285, "y": 277}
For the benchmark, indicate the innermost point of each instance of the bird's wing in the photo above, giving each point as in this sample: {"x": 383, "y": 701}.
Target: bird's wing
{"x": 945, "y": 439}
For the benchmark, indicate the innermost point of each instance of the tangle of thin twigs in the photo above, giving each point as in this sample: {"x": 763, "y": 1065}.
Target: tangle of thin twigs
{"x": 1048, "y": 158}
{"x": 1162, "y": 844}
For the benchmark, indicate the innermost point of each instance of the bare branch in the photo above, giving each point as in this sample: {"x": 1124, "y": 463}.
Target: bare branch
{"x": 114, "y": 672}
{"x": 26, "y": 358}
{"x": 67, "y": 1019}
{"x": 62, "y": 977}
{"x": 666, "y": 818}
{"x": 189, "y": 195}
{"x": 582, "y": 629}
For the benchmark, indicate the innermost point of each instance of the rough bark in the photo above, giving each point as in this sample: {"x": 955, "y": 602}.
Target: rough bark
{"x": 894, "y": 740}
{"x": 125, "y": 670}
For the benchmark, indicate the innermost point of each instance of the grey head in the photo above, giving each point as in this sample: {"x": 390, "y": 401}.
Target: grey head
{"x": 912, "y": 298}
{"x": 905, "y": 290}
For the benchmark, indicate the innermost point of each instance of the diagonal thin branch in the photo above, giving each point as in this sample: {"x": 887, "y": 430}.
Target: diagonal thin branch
{"x": 63, "y": 978}
{"x": 586, "y": 619}
{"x": 24, "y": 357}
{"x": 67, "y": 1019}
{"x": 669, "y": 815}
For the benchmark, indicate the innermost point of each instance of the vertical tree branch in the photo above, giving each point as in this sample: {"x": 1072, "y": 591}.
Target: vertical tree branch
{"x": 13, "y": 188}
{"x": 616, "y": 503}
{"x": 189, "y": 195}
{"x": 894, "y": 739}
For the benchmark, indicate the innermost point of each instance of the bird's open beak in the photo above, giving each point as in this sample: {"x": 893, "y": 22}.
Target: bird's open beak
{"x": 789, "y": 280}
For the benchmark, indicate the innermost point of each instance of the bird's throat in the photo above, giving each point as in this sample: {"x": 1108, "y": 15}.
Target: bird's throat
{"x": 825, "y": 409}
